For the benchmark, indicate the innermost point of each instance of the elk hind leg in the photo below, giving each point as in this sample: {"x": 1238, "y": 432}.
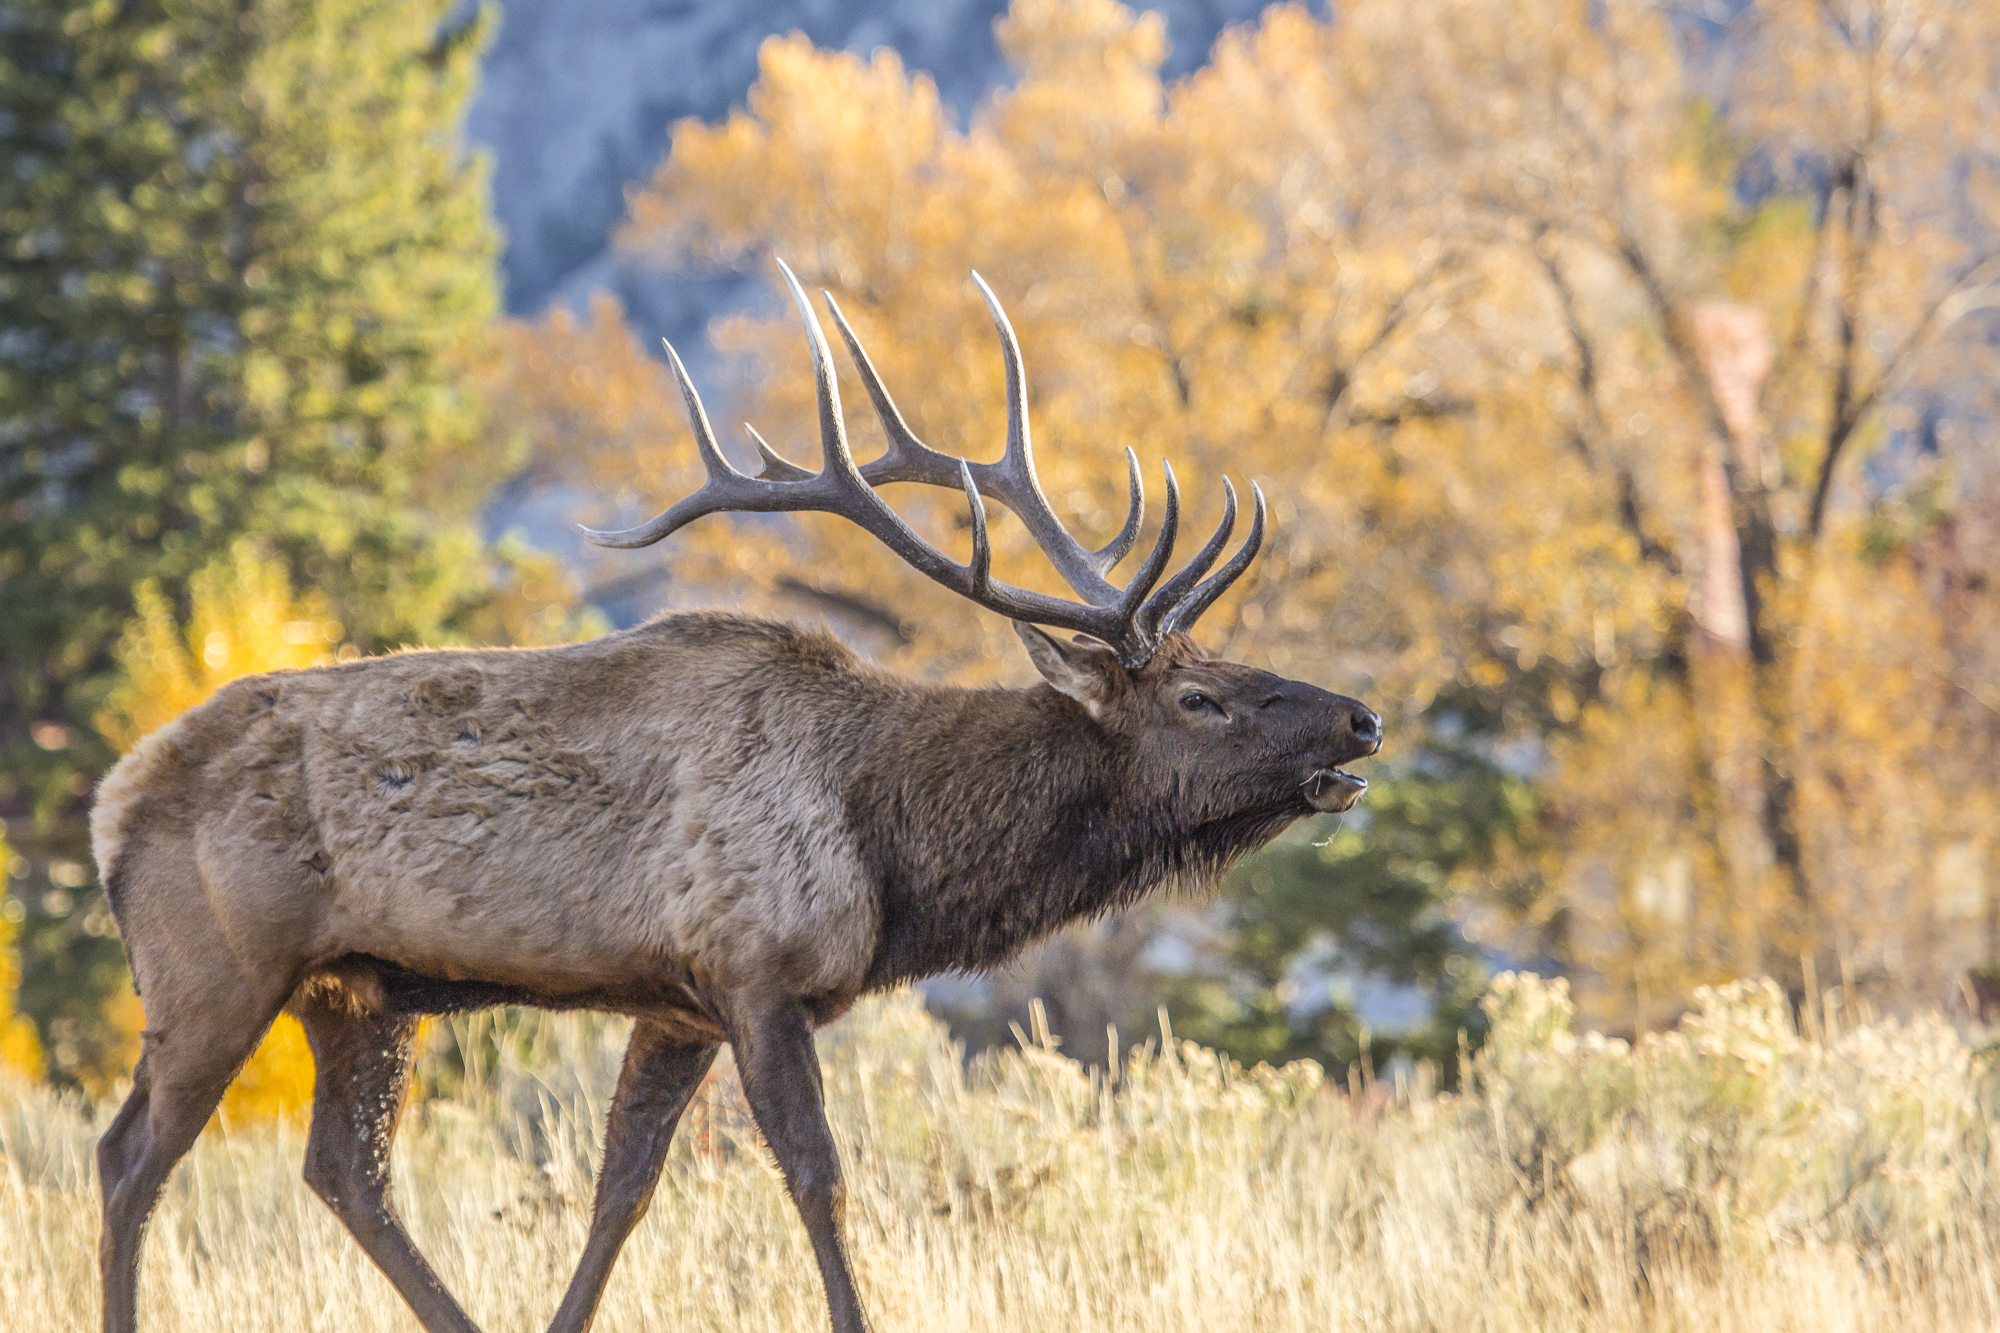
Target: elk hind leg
{"x": 659, "y": 1078}
{"x": 362, "y": 1071}
{"x": 193, "y": 1046}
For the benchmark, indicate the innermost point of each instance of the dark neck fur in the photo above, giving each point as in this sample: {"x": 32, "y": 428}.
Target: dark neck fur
{"x": 992, "y": 818}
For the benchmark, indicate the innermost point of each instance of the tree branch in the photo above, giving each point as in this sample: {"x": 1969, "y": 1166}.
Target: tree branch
{"x": 1630, "y": 510}
{"x": 853, "y": 604}
{"x": 1749, "y": 502}
{"x": 1673, "y": 329}
{"x": 1846, "y": 412}
{"x": 1340, "y": 380}
{"x": 1794, "y": 348}
{"x": 1977, "y": 287}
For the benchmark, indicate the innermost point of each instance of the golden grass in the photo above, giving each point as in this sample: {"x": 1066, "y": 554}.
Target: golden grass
{"x": 1728, "y": 1176}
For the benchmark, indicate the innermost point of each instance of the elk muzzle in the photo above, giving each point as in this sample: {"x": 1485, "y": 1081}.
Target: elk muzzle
{"x": 1329, "y": 788}
{"x": 1332, "y": 790}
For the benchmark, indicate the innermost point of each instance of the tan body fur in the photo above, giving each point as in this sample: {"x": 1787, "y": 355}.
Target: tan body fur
{"x": 609, "y": 822}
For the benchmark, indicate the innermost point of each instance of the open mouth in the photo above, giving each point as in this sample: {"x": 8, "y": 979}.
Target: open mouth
{"x": 1332, "y": 790}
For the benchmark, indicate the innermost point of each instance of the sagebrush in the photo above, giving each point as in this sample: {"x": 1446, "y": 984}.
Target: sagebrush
{"x": 1729, "y": 1174}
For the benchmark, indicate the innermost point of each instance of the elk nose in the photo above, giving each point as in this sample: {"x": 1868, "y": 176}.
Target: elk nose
{"x": 1366, "y": 724}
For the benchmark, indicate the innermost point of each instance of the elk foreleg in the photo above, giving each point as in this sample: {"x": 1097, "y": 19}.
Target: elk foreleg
{"x": 659, "y": 1078}
{"x": 363, "y": 1071}
{"x": 773, "y": 1042}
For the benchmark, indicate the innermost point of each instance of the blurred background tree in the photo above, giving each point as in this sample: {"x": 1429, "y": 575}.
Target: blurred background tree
{"x": 1590, "y": 380}
{"x": 1772, "y": 291}
{"x": 244, "y": 619}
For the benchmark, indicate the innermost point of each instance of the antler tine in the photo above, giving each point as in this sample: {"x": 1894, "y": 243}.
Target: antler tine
{"x": 839, "y": 488}
{"x": 1136, "y": 646}
{"x": 849, "y": 494}
{"x": 826, "y": 385}
{"x": 1212, "y": 587}
{"x": 980, "y": 567}
{"x": 1175, "y": 589}
{"x": 1083, "y": 569}
{"x": 704, "y": 434}
{"x": 908, "y": 458}
{"x": 1020, "y": 449}
{"x": 775, "y": 468}
{"x": 716, "y": 493}
{"x": 1108, "y": 555}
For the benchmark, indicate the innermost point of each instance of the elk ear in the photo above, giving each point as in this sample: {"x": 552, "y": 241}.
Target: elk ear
{"x": 1083, "y": 670}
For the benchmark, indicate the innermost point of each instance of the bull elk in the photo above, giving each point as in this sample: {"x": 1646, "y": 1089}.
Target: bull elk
{"x": 725, "y": 828}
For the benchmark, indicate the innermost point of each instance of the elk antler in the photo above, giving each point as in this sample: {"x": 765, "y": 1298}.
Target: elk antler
{"x": 1133, "y": 619}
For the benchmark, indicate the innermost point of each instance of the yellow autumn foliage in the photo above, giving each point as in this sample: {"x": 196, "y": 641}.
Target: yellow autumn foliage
{"x": 1558, "y": 431}
{"x": 243, "y": 619}
{"x": 20, "y": 1046}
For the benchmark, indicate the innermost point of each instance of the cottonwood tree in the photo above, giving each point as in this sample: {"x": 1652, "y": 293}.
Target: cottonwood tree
{"x": 1545, "y": 357}
{"x": 1765, "y": 344}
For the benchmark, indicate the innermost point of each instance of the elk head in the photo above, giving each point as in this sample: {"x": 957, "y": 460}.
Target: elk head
{"x": 1259, "y": 745}
{"x": 1255, "y": 744}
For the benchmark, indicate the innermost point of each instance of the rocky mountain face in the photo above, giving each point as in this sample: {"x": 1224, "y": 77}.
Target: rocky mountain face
{"x": 578, "y": 96}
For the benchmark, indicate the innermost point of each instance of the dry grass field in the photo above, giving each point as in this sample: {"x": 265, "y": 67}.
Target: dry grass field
{"x": 1729, "y": 1175}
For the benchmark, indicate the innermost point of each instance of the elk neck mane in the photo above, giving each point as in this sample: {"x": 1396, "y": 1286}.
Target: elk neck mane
{"x": 990, "y": 818}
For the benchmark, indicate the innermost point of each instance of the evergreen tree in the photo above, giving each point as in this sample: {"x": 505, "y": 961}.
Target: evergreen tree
{"x": 246, "y": 271}
{"x": 1306, "y": 921}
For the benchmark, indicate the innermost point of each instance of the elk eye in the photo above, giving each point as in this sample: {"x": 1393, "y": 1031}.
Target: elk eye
{"x": 1194, "y": 701}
